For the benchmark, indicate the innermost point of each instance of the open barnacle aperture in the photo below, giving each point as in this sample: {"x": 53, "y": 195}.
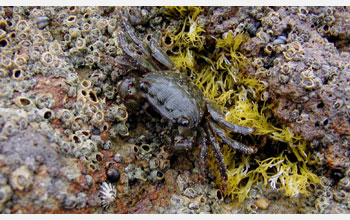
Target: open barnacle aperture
{"x": 196, "y": 119}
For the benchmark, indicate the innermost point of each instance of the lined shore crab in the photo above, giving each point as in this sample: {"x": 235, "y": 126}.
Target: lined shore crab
{"x": 196, "y": 119}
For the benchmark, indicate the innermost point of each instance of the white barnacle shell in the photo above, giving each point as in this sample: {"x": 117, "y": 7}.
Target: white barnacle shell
{"x": 108, "y": 194}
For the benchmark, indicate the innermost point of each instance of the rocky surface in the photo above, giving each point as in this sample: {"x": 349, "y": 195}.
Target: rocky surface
{"x": 64, "y": 131}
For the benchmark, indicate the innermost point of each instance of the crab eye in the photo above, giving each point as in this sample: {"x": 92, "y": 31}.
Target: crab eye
{"x": 143, "y": 86}
{"x": 123, "y": 89}
{"x": 184, "y": 122}
{"x": 132, "y": 91}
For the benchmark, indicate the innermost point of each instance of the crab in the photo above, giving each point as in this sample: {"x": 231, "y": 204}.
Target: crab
{"x": 196, "y": 120}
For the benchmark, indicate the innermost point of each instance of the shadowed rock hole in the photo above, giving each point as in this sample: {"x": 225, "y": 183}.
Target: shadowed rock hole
{"x": 12, "y": 35}
{"x": 219, "y": 195}
{"x": 85, "y": 133}
{"x": 9, "y": 23}
{"x": 159, "y": 174}
{"x": 93, "y": 96}
{"x": 17, "y": 73}
{"x": 121, "y": 113}
{"x": 337, "y": 175}
{"x": 149, "y": 37}
{"x": 168, "y": 40}
{"x": 85, "y": 84}
{"x": 99, "y": 158}
{"x": 76, "y": 139}
{"x": 3, "y": 43}
{"x": 320, "y": 105}
{"x": 47, "y": 115}
{"x": 145, "y": 147}
{"x": 175, "y": 49}
{"x": 71, "y": 18}
{"x": 92, "y": 167}
{"x": 139, "y": 52}
{"x": 136, "y": 149}
{"x": 24, "y": 101}
{"x": 173, "y": 160}
{"x": 325, "y": 122}
{"x": 187, "y": 28}
{"x": 96, "y": 131}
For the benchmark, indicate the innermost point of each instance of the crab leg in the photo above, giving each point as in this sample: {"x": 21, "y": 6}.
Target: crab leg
{"x": 158, "y": 54}
{"x": 139, "y": 58}
{"x": 217, "y": 153}
{"x": 204, "y": 151}
{"x": 219, "y": 118}
{"x": 232, "y": 143}
{"x": 130, "y": 31}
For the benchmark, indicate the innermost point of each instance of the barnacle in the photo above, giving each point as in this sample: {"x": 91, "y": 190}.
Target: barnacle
{"x": 17, "y": 74}
{"x": 120, "y": 113}
{"x": 22, "y": 26}
{"x": 140, "y": 174}
{"x": 145, "y": 148}
{"x": 5, "y": 61}
{"x": 21, "y": 178}
{"x": 71, "y": 20}
{"x": 157, "y": 175}
{"x": 47, "y": 58}
{"x": 112, "y": 25}
{"x": 44, "y": 100}
{"x": 122, "y": 129}
{"x": 344, "y": 183}
{"x": 76, "y": 139}
{"x": 21, "y": 60}
{"x": 154, "y": 163}
{"x": 108, "y": 194}
{"x": 308, "y": 84}
{"x": 2, "y": 35}
{"x": 102, "y": 24}
{"x": 65, "y": 115}
{"x": 96, "y": 157}
{"x": 24, "y": 102}
{"x": 5, "y": 194}
{"x": 164, "y": 164}
{"x": 47, "y": 114}
{"x": 340, "y": 196}
{"x": 268, "y": 49}
{"x": 285, "y": 68}
{"x": 92, "y": 167}
{"x": 190, "y": 192}
{"x": 80, "y": 43}
{"x": 289, "y": 54}
{"x": 86, "y": 27}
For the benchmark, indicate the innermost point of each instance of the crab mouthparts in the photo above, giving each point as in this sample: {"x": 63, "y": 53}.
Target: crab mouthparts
{"x": 182, "y": 144}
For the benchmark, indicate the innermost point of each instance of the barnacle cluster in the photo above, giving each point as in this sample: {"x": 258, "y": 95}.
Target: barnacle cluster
{"x": 49, "y": 108}
{"x": 194, "y": 198}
